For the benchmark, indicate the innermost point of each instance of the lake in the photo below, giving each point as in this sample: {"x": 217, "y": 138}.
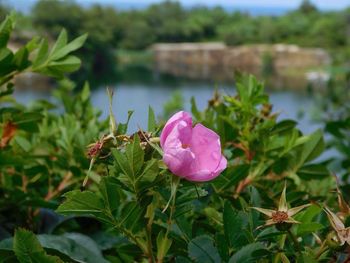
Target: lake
{"x": 138, "y": 96}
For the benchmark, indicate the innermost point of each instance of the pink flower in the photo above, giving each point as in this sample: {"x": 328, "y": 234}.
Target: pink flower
{"x": 193, "y": 153}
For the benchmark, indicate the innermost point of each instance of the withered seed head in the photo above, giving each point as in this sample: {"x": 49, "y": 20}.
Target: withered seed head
{"x": 94, "y": 149}
{"x": 279, "y": 216}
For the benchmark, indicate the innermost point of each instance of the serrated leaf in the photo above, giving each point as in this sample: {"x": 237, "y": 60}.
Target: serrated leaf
{"x": 150, "y": 172}
{"x": 202, "y": 250}
{"x": 28, "y": 249}
{"x": 109, "y": 193}
{"x": 75, "y": 245}
{"x": 83, "y": 203}
{"x": 248, "y": 254}
{"x": 234, "y": 224}
{"x": 130, "y": 162}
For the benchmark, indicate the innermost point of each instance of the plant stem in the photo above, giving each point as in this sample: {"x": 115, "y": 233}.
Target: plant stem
{"x": 295, "y": 241}
{"x": 280, "y": 247}
{"x": 322, "y": 249}
{"x": 175, "y": 182}
{"x": 127, "y": 233}
{"x": 149, "y": 243}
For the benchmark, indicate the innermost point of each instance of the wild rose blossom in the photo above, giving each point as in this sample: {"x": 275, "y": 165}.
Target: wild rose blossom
{"x": 193, "y": 153}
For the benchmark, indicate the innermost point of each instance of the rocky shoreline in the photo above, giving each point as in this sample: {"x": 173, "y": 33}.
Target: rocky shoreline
{"x": 285, "y": 66}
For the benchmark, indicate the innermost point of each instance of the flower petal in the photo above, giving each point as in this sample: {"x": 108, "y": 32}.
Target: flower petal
{"x": 172, "y": 122}
{"x": 178, "y": 158}
{"x": 206, "y": 146}
{"x": 179, "y": 161}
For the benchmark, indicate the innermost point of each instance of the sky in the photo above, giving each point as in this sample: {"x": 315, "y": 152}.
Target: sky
{"x": 327, "y": 4}
{"x": 26, "y": 5}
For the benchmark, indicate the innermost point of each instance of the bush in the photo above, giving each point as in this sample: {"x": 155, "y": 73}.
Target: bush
{"x": 127, "y": 198}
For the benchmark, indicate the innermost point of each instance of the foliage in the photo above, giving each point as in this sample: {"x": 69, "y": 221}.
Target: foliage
{"x": 335, "y": 115}
{"x": 168, "y": 21}
{"x": 132, "y": 208}
{"x": 42, "y": 152}
{"x": 102, "y": 25}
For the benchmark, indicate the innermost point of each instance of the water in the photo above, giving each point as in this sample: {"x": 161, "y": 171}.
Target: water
{"x": 138, "y": 96}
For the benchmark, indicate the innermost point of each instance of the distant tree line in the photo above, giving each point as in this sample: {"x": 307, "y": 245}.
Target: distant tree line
{"x": 168, "y": 21}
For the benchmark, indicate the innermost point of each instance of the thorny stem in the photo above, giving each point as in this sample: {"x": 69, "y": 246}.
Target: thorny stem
{"x": 295, "y": 241}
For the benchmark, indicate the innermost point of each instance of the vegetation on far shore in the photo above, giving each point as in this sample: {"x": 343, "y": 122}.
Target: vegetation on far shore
{"x": 111, "y": 29}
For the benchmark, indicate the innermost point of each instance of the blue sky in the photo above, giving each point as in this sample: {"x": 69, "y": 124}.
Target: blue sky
{"x": 25, "y": 5}
{"x": 328, "y": 4}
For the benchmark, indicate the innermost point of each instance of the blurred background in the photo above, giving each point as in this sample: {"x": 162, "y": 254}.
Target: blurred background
{"x": 162, "y": 53}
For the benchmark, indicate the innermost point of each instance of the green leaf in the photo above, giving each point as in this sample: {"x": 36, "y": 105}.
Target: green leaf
{"x": 248, "y": 254}
{"x": 131, "y": 216}
{"x": 83, "y": 203}
{"x": 64, "y": 50}
{"x": 307, "y": 219}
{"x": 68, "y": 64}
{"x": 194, "y": 110}
{"x": 75, "y": 245}
{"x": 284, "y": 126}
{"x": 123, "y": 127}
{"x": 85, "y": 93}
{"x": 28, "y": 249}
{"x": 312, "y": 148}
{"x": 163, "y": 245}
{"x": 41, "y": 55}
{"x": 226, "y": 180}
{"x": 6, "y": 28}
{"x": 110, "y": 194}
{"x": 234, "y": 224}
{"x": 151, "y": 120}
{"x": 149, "y": 172}
{"x": 20, "y": 59}
{"x": 130, "y": 162}
{"x": 307, "y": 228}
{"x": 313, "y": 171}
{"x": 23, "y": 143}
{"x": 59, "y": 44}
{"x": 135, "y": 155}
{"x": 7, "y": 256}
{"x": 202, "y": 250}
